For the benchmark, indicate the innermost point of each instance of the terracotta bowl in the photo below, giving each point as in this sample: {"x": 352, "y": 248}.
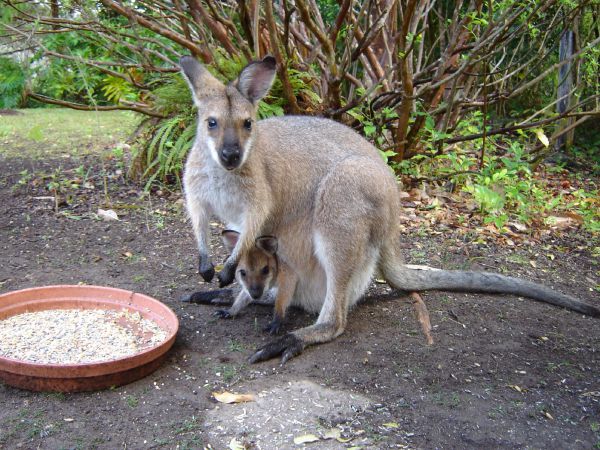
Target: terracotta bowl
{"x": 85, "y": 376}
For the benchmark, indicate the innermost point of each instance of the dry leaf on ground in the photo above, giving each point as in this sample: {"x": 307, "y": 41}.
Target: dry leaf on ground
{"x": 305, "y": 439}
{"x": 228, "y": 397}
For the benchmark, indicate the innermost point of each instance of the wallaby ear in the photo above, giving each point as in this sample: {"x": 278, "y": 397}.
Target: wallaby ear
{"x": 200, "y": 80}
{"x": 256, "y": 78}
{"x": 267, "y": 244}
{"x": 230, "y": 239}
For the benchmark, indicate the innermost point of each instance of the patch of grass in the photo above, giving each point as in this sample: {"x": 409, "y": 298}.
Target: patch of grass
{"x": 27, "y": 423}
{"x": 518, "y": 259}
{"x": 193, "y": 443}
{"x": 554, "y": 367}
{"x": 496, "y": 412}
{"x": 56, "y": 395}
{"x": 228, "y": 372}
{"x": 418, "y": 257}
{"x": 187, "y": 426}
{"x": 236, "y": 346}
{"x": 450, "y": 400}
{"x": 47, "y": 132}
{"x": 132, "y": 401}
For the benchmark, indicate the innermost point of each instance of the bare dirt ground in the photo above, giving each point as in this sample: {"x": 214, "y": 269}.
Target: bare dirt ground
{"x": 503, "y": 372}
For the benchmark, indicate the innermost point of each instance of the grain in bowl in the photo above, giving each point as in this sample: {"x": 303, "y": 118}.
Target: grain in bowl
{"x": 77, "y": 336}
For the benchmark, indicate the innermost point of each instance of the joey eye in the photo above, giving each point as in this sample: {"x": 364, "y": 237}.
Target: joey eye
{"x": 212, "y": 123}
{"x": 248, "y": 124}
{"x": 243, "y": 273}
{"x": 265, "y": 270}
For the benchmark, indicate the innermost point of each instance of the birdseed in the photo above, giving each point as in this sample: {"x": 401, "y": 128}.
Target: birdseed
{"x": 77, "y": 336}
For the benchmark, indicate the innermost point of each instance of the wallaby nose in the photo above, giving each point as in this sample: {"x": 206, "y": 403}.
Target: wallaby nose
{"x": 255, "y": 292}
{"x": 231, "y": 156}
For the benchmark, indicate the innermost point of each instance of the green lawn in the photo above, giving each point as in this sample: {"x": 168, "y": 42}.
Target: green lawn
{"x": 56, "y": 131}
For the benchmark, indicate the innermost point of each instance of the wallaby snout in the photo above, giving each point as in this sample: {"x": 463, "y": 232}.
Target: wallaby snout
{"x": 231, "y": 156}
{"x": 256, "y": 291}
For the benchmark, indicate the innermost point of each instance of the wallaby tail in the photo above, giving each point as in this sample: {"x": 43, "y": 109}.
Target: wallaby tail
{"x": 407, "y": 279}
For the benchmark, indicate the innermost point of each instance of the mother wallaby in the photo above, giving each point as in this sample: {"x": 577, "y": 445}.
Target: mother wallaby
{"x": 326, "y": 194}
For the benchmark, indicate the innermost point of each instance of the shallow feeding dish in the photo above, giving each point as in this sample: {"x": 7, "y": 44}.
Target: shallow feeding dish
{"x": 143, "y": 325}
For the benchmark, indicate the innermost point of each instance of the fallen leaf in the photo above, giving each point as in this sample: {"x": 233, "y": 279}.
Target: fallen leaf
{"x": 517, "y": 388}
{"x": 335, "y": 433}
{"x": 542, "y": 137}
{"x": 305, "y": 438}
{"x": 533, "y": 264}
{"x": 391, "y": 425}
{"x": 218, "y": 268}
{"x": 591, "y": 394}
{"x": 518, "y": 226}
{"x": 548, "y": 415}
{"x": 419, "y": 267}
{"x": 234, "y": 444}
{"x": 561, "y": 222}
{"x": 332, "y": 433}
{"x": 228, "y": 397}
{"x": 107, "y": 214}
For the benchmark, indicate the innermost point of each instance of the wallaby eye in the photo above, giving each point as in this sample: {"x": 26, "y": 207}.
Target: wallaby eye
{"x": 248, "y": 124}
{"x": 243, "y": 273}
{"x": 212, "y": 123}
{"x": 265, "y": 270}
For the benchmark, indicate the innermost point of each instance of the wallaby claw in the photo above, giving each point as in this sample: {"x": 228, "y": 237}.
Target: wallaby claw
{"x": 226, "y": 275}
{"x": 206, "y": 269}
{"x": 287, "y": 346}
{"x": 223, "y": 314}
{"x": 273, "y": 328}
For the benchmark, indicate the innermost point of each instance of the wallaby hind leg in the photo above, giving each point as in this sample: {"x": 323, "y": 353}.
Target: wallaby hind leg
{"x": 286, "y": 286}
{"x": 342, "y": 283}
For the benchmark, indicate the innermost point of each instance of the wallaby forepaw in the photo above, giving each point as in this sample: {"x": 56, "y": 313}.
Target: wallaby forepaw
{"x": 226, "y": 275}
{"x": 223, "y": 314}
{"x": 206, "y": 269}
{"x": 288, "y": 346}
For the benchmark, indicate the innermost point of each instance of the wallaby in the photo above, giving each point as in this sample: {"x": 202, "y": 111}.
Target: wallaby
{"x": 326, "y": 194}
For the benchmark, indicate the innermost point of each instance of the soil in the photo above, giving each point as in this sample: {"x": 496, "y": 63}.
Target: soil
{"x": 503, "y": 372}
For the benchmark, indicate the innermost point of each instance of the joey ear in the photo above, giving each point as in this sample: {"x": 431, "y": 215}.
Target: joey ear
{"x": 267, "y": 244}
{"x": 256, "y": 78}
{"x": 230, "y": 239}
{"x": 200, "y": 80}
